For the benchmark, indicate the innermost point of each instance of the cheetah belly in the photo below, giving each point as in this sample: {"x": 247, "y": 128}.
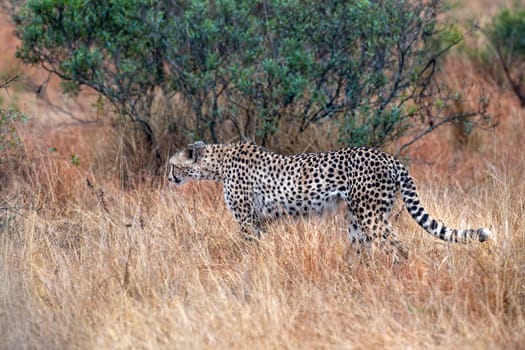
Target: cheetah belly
{"x": 293, "y": 201}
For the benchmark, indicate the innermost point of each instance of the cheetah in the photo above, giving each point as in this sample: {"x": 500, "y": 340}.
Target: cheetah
{"x": 260, "y": 186}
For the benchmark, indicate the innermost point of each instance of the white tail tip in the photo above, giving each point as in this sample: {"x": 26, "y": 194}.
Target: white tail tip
{"x": 484, "y": 234}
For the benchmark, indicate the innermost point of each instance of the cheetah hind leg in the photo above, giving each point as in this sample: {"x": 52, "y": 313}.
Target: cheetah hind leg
{"x": 377, "y": 225}
{"x": 374, "y": 231}
{"x": 387, "y": 240}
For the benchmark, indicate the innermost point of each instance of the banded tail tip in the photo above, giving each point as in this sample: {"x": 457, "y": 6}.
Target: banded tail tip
{"x": 483, "y": 234}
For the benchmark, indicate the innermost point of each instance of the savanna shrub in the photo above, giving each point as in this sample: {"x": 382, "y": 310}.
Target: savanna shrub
{"x": 251, "y": 68}
{"x": 505, "y": 34}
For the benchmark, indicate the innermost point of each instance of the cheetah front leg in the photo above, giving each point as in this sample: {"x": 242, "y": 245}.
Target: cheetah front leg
{"x": 249, "y": 224}
{"x": 358, "y": 238}
{"x": 243, "y": 212}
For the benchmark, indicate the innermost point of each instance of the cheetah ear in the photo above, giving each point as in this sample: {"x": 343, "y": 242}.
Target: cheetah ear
{"x": 198, "y": 144}
{"x": 194, "y": 150}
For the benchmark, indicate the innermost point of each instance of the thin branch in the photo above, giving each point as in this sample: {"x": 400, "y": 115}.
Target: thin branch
{"x": 433, "y": 126}
{"x": 9, "y": 81}
{"x": 515, "y": 86}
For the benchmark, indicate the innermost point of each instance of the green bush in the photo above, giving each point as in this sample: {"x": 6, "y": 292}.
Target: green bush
{"x": 255, "y": 67}
{"x": 9, "y": 140}
{"x": 506, "y": 34}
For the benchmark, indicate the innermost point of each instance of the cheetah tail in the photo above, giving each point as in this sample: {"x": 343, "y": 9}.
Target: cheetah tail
{"x": 432, "y": 226}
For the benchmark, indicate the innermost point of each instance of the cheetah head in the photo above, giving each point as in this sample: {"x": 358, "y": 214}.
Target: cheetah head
{"x": 192, "y": 163}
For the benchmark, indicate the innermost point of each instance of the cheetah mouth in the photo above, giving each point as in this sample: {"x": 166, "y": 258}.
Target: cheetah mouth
{"x": 176, "y": 180}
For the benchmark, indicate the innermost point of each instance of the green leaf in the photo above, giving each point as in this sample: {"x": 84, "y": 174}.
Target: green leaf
{"x": 75, "y": 159}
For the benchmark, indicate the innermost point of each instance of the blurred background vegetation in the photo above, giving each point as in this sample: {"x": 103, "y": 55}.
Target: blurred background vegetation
{"x": 269, "y": 70}
{"x": 353, "y": 72}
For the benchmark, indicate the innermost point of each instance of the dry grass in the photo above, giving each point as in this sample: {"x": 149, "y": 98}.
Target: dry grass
{"x": 86, "y": 266}
{"x": 155, "y": 267}
{"x": 95, "y": 266}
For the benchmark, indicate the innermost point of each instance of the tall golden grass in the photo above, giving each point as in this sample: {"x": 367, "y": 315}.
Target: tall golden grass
{"x": 86, "y": 263}
{"x": 163, "y": 268}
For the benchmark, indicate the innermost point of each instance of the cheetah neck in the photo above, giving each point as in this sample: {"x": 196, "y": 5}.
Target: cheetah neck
{"x": 217, "y": 153}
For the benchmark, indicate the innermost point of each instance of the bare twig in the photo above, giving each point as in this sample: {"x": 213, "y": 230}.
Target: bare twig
{"x": 8, "y": 81}
{"x": 516, "y": 86}
{"x": 434, "y": 126}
